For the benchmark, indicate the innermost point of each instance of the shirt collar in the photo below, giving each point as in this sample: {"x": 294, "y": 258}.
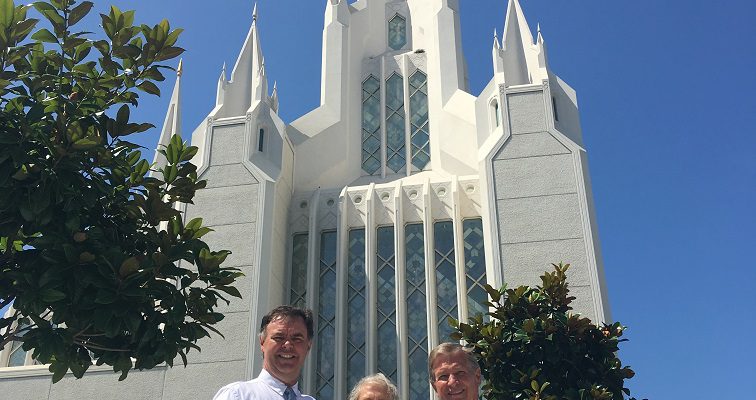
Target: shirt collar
{"x": 277, "y": 386}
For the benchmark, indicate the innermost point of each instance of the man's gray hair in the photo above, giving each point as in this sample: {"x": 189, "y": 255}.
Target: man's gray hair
{"x": 378, "y": 380}
{"x": 451, "y": 348}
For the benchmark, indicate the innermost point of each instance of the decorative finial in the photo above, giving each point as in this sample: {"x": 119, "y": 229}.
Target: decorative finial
{"x": 180, "y": 68}
{"x": 539, "y": 27}
{"x": 254, "y": 13}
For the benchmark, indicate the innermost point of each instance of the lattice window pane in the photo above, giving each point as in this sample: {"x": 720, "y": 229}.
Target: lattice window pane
{"x": 386, "y": 302}
{"x": 397, "y": 32}
{"x": 475, "y": 266}
{"x": 446, "y": 277}
{"x": 356, "y": 323}
{"x": 299, "y": 269}
{"x": 417, "y": 325}
{"x": 326, "y": 336}
{"x": 418, "y": 109}
{"x": 371, "y": 125}
{"x": 395, "y": 130}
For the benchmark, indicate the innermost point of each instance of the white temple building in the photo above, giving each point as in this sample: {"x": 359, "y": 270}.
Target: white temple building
{"x": 385, "y": 209}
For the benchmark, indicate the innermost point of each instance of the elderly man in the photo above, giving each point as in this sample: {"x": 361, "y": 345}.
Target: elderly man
{"x": 285, "y": 338}
{"x": 454, "y": 372}
{"x": 374, "y": 387}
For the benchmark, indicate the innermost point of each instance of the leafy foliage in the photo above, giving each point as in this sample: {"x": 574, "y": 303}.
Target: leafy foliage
{"x": 533, "y": 348}
{"x": 94, "y": 254}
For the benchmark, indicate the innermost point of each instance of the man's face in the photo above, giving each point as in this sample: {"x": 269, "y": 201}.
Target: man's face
{"x": 285, "y": 346}
{"x": 373, "y": 392}
{"x": 454, "y": 377}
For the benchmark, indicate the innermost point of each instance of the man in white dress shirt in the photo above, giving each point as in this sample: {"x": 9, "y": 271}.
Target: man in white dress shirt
{"x": 285, "y": 339}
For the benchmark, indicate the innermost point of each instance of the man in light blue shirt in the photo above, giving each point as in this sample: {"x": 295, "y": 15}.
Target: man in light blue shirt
{"x": 285, "y": 339}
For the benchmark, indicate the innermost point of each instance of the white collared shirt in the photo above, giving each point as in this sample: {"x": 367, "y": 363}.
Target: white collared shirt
{"x": 264, "y": 387}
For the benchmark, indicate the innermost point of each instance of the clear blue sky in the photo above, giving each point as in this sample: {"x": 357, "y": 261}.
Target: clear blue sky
{"x": 666, "y": 91}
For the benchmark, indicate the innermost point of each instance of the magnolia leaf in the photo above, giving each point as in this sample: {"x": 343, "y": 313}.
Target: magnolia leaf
{"x": 149, "y": 87}
{"x": 43, "y": 35}
{"x": 79, "y": 12}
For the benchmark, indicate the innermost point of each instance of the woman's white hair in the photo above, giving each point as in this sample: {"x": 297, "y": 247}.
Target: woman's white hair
{"x": 379, "y": 380}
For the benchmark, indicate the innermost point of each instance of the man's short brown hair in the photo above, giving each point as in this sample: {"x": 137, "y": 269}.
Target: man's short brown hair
{"x": 288, "y": 312}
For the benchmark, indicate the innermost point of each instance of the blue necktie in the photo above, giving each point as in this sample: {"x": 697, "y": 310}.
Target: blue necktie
{"x": 289, "y": 394}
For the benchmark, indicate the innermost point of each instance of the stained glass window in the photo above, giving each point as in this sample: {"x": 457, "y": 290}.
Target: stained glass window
{"x": 395, "y": 136}
{"x": 419, "y": 128}
{"x": 326, "y": 316}
{"x": 386, "y": 302}
{"x": 475, "y": 266}
{"x": 356, "y": 303}
{"x": 299, "y": 270}
{"x": 397, "y": 32}
{"x": 371, "y": 125}
{"x": 446, "y": 277}
{"x": 417, "y": 325}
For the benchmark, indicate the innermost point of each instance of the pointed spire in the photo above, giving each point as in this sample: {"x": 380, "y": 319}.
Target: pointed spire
{"x": 543, "y": 59}
{"x": 518, "y": 46}
{"x": 221, "y": 90}
{"x": 274, "y": 98}
{"x": 248, "y": 81}
{"x": 172, "y": 123}
{"x": 496, "y": 44}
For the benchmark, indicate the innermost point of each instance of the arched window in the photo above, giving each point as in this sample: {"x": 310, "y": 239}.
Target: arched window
{"x": 495, "y": 116}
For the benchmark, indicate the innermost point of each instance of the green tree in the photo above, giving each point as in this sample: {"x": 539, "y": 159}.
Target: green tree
{"x": 94, "y": 254}
{"x": 531, "y": 347}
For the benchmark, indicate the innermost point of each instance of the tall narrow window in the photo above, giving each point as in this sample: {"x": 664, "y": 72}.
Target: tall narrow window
{"x": 299, "y": 270}
{"x": 497, "y": 117}
{"x": 446, "y": 277}
{"x": 395, "y": 136}
{"x": 475, "y": 266}
{"x": 386, "y": 269}
{"x": 371, "y": 125}
{"x": 356, "y": 307}
{"x": 261, "y": 140}
{"x": 397, "y": 32}
{"x": 417, "y": 325}
{"x": 554, "y": 106}
{"x": 326, "y": 369}
{"x": 419, "y": 128}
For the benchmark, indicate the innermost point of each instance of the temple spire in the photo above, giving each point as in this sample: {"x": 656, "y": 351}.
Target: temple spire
{"x": 172, "y": 122}
{"x": 274, "y": 98}
{"x": 248, "y": 84}
{"x": 220, "y": 93}
{"x": 519, "y": 52}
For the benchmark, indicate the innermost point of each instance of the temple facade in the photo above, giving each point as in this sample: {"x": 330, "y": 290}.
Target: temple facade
{"x": 384, "y": 210}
